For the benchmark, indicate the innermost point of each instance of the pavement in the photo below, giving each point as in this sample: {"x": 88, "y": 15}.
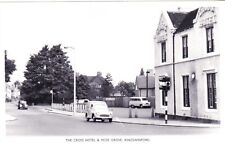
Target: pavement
{"x": 144, "y": 121}
{"x": 9, "y": 117}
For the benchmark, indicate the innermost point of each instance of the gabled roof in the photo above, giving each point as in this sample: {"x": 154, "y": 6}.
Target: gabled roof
{"x": 141, "y": 82}
{"x": 96, "y": 79}
{"x": 176, "y": 18}
{"x": 187, "y": 21}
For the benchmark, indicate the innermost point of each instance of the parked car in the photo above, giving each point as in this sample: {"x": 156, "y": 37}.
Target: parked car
{"x": 22, "y": 105}
{"x": 98, "y": 110}
{"x": 139, "y": 102}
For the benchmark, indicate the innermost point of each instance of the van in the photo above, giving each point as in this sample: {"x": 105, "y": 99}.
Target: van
{"x": 139, "y": 102}
{"x": 98, "y": 110}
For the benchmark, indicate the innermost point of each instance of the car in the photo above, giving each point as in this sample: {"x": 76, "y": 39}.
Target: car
{"x": 139, "y": 102}
{"x": 22, "y": 104}
{"x": 98, "y": 110}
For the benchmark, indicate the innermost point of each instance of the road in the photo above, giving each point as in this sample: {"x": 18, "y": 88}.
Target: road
{"x": 38, "y": 122}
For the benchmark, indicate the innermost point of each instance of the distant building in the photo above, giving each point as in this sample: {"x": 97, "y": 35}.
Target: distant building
{"x": 12, "y": 91}
{"x": 95, "y": 83}
{"x": 141, "y": 85}
{"x": 8, "y": 91}
{"x": 187, "y": 49}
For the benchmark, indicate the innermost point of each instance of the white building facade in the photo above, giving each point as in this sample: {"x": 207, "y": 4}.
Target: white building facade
{"x": 187, "y": 49}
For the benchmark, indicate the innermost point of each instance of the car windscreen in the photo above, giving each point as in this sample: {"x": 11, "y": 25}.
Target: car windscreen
{"x": 100, "y": 106}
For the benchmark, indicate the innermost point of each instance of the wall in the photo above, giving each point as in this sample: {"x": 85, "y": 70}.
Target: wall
{"x": 143, "y": 92}
{"x": 199, "y": 62}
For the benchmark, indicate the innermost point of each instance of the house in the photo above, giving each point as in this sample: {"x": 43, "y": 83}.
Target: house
{"x": 8, "y": 91}
{"x": 142, "y": 87}
{"x": 187, "y": 50}
{"x": 12, "y": 91}
{"x": 95, "y": 83}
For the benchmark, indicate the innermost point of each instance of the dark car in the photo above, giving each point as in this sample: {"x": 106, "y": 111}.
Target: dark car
{"x": 22, "y": 105}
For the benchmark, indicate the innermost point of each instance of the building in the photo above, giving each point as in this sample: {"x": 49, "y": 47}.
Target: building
{"x": 8, "y": 91}
{"x": 12, "y": 91}
{"x": 95, "y": 83}
{"x": 187, "y": 50}
{"x": 142, "y": 86}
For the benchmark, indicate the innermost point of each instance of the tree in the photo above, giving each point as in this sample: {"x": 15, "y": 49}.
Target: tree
{"x": 126, "y": 89}
{"x": 107, "y": 86}
{"x": 142, "y": 73}
{"x": 48, "y": 70}
{"x": 82, "y": 87}
{"x": 10, "y": 67}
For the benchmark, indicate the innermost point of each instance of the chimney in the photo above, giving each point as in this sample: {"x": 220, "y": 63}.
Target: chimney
{"x": 99, "y": 74}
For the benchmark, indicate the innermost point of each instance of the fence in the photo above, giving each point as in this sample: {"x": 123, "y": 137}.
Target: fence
{"x": 123, "y": 101}
{"x": 117, "y": 101}
{"x": 80, "y": 107}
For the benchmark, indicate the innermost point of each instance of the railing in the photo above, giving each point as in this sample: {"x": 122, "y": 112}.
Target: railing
{"x": 80, "y": 107}
{"x": 65, "y": 107}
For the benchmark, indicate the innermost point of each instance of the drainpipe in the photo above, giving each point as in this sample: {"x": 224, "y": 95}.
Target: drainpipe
{"x": 174, "y": 86}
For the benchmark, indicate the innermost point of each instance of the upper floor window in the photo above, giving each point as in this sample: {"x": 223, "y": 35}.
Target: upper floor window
{"x": 163, "y": 47}
{"x": 211, "y": 88}
{"x": 185, "y": 46}
{"x": 210, "y": 39}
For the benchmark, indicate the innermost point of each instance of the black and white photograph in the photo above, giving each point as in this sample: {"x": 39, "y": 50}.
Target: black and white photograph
{"x": 113, "y": 72}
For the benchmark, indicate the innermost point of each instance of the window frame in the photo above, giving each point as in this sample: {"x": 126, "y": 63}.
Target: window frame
{"x": 209, "y": 39}
{"x": 163, "y": 51}
{"x": 164, "y": 94}
{"x": 211, "y": 91}
{"x": 185, "y": 46}
{"x": 186, "y": 94}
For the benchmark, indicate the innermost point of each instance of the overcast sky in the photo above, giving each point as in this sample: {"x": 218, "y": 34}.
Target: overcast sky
{"x": 114, "y": 38}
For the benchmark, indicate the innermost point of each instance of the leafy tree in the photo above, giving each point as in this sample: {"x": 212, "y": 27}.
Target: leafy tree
{"x": 126, "y": 89}
{"x": 142, "y": 72}
{"x": 82, "y": 87}
{"x": 10, "y": 67}
{"x": 48, "y": 70}
{"x": 107, "y": 86}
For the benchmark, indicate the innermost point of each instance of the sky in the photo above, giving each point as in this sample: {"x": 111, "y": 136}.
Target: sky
{"x": 110, "y": 37}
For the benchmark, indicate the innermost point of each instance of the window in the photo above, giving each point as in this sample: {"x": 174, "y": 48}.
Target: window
{"x": 163, "y": 46}
{"x": 211, "y": 87}
{"x": 186, "y": 98}
{"x": 185, "y": 46}
{"x": 164, "y": 94}
{"x": 209, "y": 39}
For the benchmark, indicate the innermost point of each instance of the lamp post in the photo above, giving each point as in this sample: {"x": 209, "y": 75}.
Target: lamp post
{"x": 74, "y": 88}
{"x": 51, "y": 91}
{"x": 147, "y": 72}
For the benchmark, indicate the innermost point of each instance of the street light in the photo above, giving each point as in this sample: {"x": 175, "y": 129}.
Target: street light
{"x": 147, "y": 72}
{"x": 51, "y": 91}
{"x": 74, "y": 88}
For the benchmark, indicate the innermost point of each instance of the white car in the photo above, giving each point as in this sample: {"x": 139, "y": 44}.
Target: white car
{"x": 139, "y": 102}
{"x": 98, "y": 110}
{"x": 22, "y": 105}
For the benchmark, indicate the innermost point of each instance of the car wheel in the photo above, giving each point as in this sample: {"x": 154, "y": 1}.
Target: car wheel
{"x": 88, "y": 119}
{"x": 110, "y": 120}
{"x": 141, "y": 105}
{"x": 93, "y": 117}
{"x": 103, "y": 120}
{"x": 132, "y": 106}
